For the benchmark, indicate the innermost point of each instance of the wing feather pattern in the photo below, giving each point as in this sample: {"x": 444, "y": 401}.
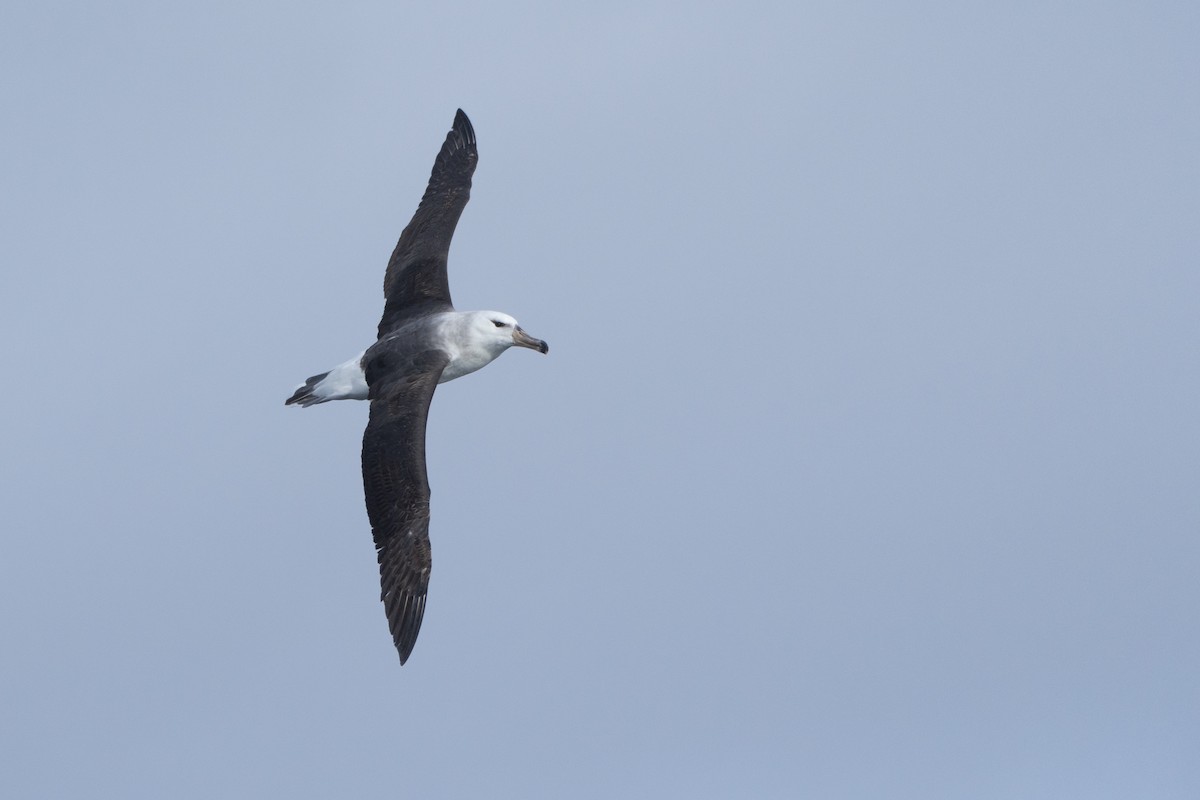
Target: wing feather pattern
{"x": 416, "y": 280}
{"x": 397, "y": 487}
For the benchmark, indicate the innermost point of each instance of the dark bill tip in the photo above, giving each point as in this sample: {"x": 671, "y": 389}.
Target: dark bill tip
{"x": 523, "y": 339}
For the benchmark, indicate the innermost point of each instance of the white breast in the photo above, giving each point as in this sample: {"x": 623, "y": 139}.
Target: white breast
{"x": 471, "y": 345}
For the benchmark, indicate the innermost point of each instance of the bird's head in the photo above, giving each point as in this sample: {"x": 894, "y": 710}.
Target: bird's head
{"x": 502, "y": 331}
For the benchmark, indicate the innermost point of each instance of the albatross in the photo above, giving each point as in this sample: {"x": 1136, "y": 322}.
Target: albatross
{"x": 422, "y": 341}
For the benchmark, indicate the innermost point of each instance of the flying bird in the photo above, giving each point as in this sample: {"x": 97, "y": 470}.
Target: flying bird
{"x": 422, "y": 341}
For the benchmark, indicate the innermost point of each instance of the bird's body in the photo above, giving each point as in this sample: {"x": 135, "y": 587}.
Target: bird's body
{"x": 422, "y": 342}
{"x": 453, "y": 332}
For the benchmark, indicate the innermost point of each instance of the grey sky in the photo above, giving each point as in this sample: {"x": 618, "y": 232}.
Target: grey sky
{"x": 864, "y": 463}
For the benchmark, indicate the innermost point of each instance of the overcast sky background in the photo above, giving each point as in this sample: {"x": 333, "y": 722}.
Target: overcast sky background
{"x": 864, "y": 462}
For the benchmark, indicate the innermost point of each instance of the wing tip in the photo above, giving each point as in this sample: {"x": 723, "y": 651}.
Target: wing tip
{"x": 463, "y": 127}
{"x": 406, "y": 625}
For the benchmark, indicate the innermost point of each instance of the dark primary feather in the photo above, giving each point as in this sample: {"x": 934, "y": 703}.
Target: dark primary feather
{"x": 416, "y": 279}
{"x": 396, "y": 485}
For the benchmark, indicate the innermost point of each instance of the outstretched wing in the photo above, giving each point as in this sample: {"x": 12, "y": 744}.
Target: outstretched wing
{"x": 396, "y": 485}
{"x": 416, "y": 280}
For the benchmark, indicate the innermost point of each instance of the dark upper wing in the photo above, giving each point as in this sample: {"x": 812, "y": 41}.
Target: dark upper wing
{"x": 416, "y": 275}
{"x": 396, "y": 486}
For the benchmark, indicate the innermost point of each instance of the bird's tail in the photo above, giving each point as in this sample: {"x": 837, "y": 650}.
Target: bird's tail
{"x": 305, "y": 395}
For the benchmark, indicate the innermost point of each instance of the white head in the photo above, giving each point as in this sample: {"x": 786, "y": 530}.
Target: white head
{"x": 500, "y": 331}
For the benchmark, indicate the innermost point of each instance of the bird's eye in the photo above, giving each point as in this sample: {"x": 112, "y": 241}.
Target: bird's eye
{"x": 498, "y": 323}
